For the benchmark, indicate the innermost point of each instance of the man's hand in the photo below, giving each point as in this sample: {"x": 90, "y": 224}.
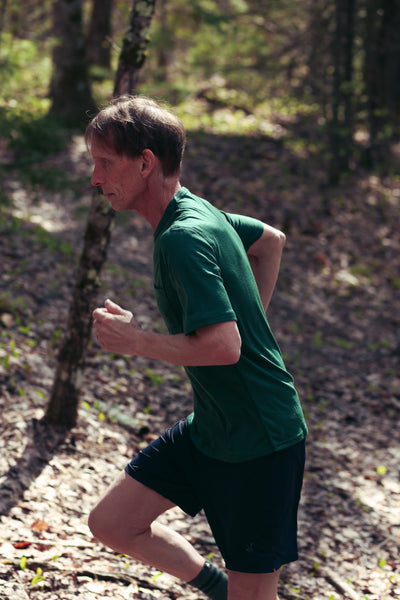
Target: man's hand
{"x": 115, "y": 328}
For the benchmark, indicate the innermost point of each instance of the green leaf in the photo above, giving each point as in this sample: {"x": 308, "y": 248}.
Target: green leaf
{"x": 381, "y": 470}
{"x": 22, "y": 563}
{"x": 37, "y": 579}
{"x": 210, "y": 556}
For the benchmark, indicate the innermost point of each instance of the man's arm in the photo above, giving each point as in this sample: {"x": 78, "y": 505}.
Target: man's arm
{"x": 265, "y": 258}
{"x": 118, "y": 331}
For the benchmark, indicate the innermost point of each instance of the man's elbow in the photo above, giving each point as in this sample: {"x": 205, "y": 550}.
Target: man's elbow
{"x": 219, "y": 344}
{"x": 281, "y": 238}
{"x": 232, "y": 349}
{"x": 235, "y": 356}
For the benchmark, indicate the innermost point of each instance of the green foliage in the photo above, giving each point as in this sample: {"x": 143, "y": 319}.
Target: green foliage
{"x": 193, "y": 42}
{"x": 39, "y": 578}
{"x": 31, "y": 134}
{"x": 382, "y": 563}
{"x": 223, "y": 59}
{"x": 155, "y": 379}
{"x": 25, "y": 70}
{"x": 36, "y": 137}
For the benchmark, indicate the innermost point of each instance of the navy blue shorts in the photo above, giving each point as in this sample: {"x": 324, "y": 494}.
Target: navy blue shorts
{"x": 251, "y": 506}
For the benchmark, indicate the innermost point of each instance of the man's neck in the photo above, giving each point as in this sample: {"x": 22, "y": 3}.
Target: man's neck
{"x": 161, "y": 200}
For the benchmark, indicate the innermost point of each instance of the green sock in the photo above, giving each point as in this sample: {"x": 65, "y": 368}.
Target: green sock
{"x": 212, "y": 582}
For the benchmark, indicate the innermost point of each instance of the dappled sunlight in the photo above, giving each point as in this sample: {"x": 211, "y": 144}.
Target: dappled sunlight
{"x": 54, "y": 216}
{"x": 255, "y": 94}
{"x": 226, "y": 120}
{"x": 333, "y": 312}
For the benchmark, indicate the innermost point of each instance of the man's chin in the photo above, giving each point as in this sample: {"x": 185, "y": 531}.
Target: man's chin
{"x": 112, "y": 200}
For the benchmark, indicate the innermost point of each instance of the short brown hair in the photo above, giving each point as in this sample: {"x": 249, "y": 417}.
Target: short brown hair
{"x": 133, "y": 123}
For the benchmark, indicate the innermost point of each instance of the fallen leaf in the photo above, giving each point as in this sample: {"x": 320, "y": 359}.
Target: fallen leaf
{"x": 40, "y": 525}
{"x": 21, "y": 545}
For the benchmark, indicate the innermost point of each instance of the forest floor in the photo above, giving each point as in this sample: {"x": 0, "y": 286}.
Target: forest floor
{"x": 335, "y": 313}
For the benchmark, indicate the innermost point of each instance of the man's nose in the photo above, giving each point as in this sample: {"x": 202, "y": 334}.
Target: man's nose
{"x": 97, "y": 177}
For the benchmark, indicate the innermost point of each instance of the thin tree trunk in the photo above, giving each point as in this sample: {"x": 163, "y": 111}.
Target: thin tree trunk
{"x": 134, "y": 47}
{"x": 98, "y": 42}
{"x": 341, "y": 126}
{"x": 337, "y": 81}
{"x": 70, "y": 90}
{"x": 3, "y": 8}
{"x": 371, "y": 75}
{"x": 63, "y": 405}
{"x": 348, "y": 70}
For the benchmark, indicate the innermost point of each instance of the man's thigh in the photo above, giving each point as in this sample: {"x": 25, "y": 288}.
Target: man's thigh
{"x": 127, "y": 504}
{"x": 168, "y": 466}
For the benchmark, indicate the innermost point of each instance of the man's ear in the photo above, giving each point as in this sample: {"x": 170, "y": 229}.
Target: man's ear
{"x": 148, "y": 162}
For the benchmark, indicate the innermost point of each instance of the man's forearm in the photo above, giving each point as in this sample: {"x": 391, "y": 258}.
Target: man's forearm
{"x": 186, "y": 350}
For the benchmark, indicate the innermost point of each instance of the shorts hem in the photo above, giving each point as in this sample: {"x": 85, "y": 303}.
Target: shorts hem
{"x": 148, "y": 482}
{"x": 269, "y": 565}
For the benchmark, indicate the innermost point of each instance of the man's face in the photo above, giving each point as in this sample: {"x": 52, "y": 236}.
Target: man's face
{"x": 117, "y": 174}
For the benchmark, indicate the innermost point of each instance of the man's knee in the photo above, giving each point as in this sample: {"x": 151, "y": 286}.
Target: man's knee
{"x": 125, "y": 513}
{"x": 114, "y": 530}
{"x": 101, "y": 525}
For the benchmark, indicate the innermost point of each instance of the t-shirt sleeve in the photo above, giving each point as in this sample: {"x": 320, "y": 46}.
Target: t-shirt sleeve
{"x": 196, "y": 277}
{"x": 248, "y": 228}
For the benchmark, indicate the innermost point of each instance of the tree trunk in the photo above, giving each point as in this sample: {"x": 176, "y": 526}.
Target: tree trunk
{"x": 341, "y": 124}
{"x": 63, "y": 405}
{"x": 348, "y": 70}
{"x": 3, "y": 8}
{"x": 98, "y": 42}
{"x": 382, "y": 74}
{"x": 62, "y": 408}
{"x": 134, "y": 47}
{"x": 70, "y": 90}
{"x": 392, "y": 35}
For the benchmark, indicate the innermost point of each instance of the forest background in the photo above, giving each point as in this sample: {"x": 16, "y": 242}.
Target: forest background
{"x": 292, "y": 112}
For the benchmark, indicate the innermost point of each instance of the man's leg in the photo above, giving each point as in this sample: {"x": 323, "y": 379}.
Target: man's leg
{"x": 253, "y": 586}
{"x": 124, "y": 520}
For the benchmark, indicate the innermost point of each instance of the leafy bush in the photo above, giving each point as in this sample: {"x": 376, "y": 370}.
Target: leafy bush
{"x": 25, "y": 71}
{"x": 30, "y": 135}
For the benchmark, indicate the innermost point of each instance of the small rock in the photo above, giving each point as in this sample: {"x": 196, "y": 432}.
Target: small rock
{"x": 7, "y": 319}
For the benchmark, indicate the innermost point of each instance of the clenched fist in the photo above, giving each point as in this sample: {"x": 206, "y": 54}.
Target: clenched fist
{"x": 115, "y": 328}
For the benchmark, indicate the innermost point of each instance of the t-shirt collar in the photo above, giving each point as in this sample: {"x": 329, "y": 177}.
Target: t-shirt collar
{"x": 169, "y": 211}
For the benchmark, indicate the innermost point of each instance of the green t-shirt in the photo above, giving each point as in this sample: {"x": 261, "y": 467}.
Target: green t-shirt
{"x": 202, "y": 276}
